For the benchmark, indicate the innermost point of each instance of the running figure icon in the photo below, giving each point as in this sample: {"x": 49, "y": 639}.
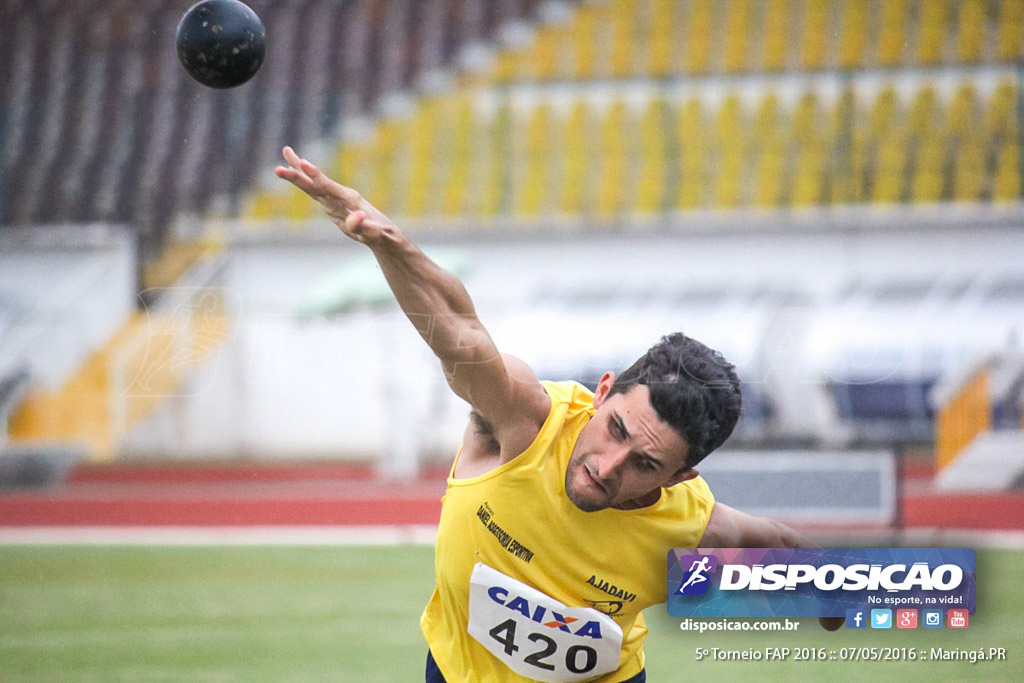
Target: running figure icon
{"x": 697, "y": 573}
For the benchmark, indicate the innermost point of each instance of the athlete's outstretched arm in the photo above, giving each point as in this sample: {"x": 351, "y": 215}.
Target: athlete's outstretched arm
{"x": 731, "y": 528}
{"x": 438, "y": 305}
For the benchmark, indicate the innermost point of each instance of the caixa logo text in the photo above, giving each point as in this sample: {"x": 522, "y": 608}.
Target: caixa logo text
{"x": 830, "y": 577}
{"x": 543, "y": 615}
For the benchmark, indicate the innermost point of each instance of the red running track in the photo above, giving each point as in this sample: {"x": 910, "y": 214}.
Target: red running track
{"x": 227, "y": 495}
{"x": 338, "y": 495}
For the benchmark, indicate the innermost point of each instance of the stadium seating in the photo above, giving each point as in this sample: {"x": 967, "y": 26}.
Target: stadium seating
{"x": 98, "y": 111}
{"x": 825, "y": 124}
{"x": 140, "y": 144}
{"x": 610, "y": 115}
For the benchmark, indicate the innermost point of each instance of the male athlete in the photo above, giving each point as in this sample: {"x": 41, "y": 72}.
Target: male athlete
{"x": 562, "y": 503}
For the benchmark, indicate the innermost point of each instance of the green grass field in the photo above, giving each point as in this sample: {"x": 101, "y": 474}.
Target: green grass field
{"x": 86, "y": 613}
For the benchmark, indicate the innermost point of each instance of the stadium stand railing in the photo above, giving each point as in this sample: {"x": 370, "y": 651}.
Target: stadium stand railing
{"x": 125, "y": 378}
{"x": 979, "y": 429}
{"x": 964, "y": 412}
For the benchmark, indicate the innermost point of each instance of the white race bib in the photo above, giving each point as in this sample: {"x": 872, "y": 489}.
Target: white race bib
{"x": 537, "y": 636}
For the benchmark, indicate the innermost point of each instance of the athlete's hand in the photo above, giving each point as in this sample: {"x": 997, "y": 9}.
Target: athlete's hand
{"x": 348, "y": 209}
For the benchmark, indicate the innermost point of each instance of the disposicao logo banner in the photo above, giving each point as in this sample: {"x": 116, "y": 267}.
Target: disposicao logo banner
{"x": 817, "y": 582}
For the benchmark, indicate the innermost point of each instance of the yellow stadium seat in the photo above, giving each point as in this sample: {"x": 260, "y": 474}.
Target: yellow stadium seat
{"x": 698, "y": 37}
{"x": 611, "y": 190}
{"x": 731, "y": 145}
{"x": 536, "y": 169}
{"x": 815, "y": 34}
{"x": 383, "y": 155}
{"x": 692, "y": 161}
{"x": 298, "y": 206}
{"x": 737, "y": 35}
{"x": 771, "y": 169}
{"x": 805, "y": 119}
{"x": 1001, "y": 118}
{"x": 453, "y": 201}
{"x": 970, "y": 30}
{"x": 1006, "y": 183}
{"x": 853, "y": 35}
{"x": 729, "y": 185}
{"x": 496, "y": 190}
{"x": 650, "y": 189}
{"x": 928, "y": 173}
{"x": 921, "y": 118}
{"x": 730, "y": 120}
{"x": 766, "y": 121}
{"x": 808, "y": 179}
{"x": 859, "y": 162}
{"x": 882, "y": 113}
{"x": 809, "y": 151}
{"x": 1010, "y": 35}
{"x": 846, "y": 139}
{"x": 969, "y": 169}
{"x": 576, "y": 163}
{"x": 546, "y": 52}
{"x": 584, "y": 38}
{"x": 892, "y": 39}
{"x": 624, "y": 37}
{"x": 262, "y": 206}
{"x": 768, "y": 148}
{"x": 890, "y": 168}
{"x": 351, "y": 166}
{"x": 775, "y": 36}
{"x": 932, "y": 31}
{"x": 509, "y": 64}
{"x": 663, "y": 38}
{"x": 423, "y": 141}
{"x": 960, "y": 116}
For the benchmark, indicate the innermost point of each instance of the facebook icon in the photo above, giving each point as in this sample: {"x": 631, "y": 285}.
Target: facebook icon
{"x": 856, "y": 618}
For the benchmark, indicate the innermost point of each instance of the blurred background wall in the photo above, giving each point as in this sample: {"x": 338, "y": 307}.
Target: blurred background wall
{"x": 829, "y": 191}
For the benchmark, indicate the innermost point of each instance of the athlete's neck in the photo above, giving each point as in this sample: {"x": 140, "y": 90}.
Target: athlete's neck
{"x": 643, "y": 501}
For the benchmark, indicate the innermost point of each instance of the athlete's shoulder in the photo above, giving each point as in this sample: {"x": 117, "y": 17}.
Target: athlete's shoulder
{"x": 569, "y": 392}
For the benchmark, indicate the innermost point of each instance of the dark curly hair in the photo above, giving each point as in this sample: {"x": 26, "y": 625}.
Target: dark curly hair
{"x": 693, "y": 389}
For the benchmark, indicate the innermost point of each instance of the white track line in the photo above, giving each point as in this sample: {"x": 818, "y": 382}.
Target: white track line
{"x": 247, "y": 535}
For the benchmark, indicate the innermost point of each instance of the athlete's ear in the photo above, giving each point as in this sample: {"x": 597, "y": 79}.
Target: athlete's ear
{"x": 603, "y": 387}
{"x": 685, "y": 474}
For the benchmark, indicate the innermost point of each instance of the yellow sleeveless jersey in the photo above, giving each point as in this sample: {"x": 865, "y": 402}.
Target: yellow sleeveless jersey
{"x": 510, "y": 538}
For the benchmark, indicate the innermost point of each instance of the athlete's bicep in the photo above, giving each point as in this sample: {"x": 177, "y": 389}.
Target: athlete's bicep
{"x": 506, "y": 393}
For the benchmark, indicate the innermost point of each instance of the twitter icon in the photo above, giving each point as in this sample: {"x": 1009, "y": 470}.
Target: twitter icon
{"x": 881, "y": 618}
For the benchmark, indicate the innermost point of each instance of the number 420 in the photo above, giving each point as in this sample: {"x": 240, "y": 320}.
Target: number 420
{"x": 505, "y": 634}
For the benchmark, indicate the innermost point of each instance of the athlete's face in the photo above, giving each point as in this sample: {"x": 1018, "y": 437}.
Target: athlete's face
{"x": 625, "y": 454}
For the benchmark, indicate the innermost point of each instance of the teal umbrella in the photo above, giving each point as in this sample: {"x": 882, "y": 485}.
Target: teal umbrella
{"x": 359, "y": 284}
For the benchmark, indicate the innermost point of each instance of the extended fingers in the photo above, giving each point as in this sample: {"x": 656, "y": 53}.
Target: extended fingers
{"x": 306, "y": 169}
{"x": 339, "y": 200}
{"x": 291, "y": 157}
{"x": 302, "y": 174}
